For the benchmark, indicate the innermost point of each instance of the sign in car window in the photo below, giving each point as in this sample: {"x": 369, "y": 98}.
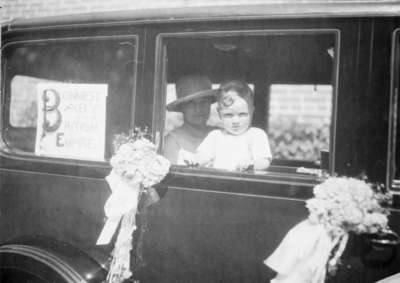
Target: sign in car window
{"x": 71, "y": 120}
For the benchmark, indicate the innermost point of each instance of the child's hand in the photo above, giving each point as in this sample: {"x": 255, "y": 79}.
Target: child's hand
{"x": 187, "y": 158}
{"x": 245, "y": 165}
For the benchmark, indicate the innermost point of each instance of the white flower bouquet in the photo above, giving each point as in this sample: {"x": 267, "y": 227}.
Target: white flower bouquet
{"x": 345, "y": 205}
{"x": 137, "y": 160}
{"x": 340, "y": 205}
{"x": 136, "y": 167}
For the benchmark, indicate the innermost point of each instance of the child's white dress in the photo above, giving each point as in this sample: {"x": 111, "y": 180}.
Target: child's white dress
{"x": 227, "y": 150}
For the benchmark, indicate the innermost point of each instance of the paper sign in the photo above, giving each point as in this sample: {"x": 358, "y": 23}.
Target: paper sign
{"x": 71, "y": 120}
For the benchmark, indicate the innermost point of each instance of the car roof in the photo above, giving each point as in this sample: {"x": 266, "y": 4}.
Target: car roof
{"x": 269, "y": 9}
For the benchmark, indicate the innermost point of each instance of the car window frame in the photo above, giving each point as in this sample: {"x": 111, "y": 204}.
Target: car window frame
{"x": 6, "y": 151}
{"x": 159, "y": 107}
{"x": 394, "y": 111}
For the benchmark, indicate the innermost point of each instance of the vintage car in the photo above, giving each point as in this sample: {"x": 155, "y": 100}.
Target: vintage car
{"x": 325, "y": 78}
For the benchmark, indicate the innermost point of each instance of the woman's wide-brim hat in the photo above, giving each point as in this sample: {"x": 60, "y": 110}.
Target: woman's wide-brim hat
{"x": 192, "y": 87}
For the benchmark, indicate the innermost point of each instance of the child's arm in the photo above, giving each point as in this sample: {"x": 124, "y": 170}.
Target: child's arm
{"x": 262, "y": 163}
{"x": 260, "y": 149}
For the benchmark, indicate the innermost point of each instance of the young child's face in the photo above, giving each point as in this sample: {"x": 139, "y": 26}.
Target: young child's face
{"x": 236, "y": 118}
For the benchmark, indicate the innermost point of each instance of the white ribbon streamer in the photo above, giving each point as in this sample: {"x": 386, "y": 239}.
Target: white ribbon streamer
{"x": 303, "y": 254}
{"x": 120, "y": 264}
{"x": 123, "y": 199}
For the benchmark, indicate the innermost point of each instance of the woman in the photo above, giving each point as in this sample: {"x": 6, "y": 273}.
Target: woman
{"x": 194, "y": 98}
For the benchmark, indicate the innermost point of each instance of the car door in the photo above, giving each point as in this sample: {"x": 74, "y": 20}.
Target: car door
{"x": 217, "y": 225}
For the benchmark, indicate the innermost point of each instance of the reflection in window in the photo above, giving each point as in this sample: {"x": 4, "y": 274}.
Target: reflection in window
{"x": 109, "y": 63}
{"x": 291, "y": 74}
{"x": 299, "y": 121}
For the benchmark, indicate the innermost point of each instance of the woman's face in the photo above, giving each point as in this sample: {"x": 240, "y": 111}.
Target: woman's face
{"x": 236, "y": 118}
{"x": 196, "y": 112}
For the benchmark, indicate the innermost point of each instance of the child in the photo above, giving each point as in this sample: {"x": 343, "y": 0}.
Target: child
{"x": 237, "y": 146}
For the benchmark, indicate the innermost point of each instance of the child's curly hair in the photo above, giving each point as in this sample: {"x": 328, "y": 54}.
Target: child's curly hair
{"x": 240, "y": 87}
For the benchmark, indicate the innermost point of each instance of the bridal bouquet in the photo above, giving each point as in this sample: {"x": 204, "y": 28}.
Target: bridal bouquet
{"x": 136, "y": 159}
{"x": 345, "y": 205}
{"x": 340, "y": 205}
{"x": 136, "y": 167}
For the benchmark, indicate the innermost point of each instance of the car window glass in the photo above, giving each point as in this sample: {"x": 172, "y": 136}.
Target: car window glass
{"x": 291, "y": 74}
{"x": 299, "y": 119}
{"x": 65, "y": 95}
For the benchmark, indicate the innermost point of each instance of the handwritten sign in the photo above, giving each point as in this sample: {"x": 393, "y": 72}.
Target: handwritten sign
{"x": 71, "y": 120}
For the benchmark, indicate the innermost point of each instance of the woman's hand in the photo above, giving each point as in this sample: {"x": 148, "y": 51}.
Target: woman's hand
{"x": 187, "y": 158}
{"x": 191, "y": 162}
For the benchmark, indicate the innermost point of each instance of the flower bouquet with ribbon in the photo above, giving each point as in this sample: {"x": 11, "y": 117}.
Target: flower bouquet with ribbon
{"x": 313, "y": 247}
{"x": 136, "y": 167}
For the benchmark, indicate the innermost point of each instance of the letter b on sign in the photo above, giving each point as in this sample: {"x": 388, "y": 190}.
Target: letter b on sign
{"x": 51, "y": 115}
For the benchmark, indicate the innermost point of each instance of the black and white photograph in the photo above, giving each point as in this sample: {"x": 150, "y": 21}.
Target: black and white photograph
{"x": 200, "y": 141}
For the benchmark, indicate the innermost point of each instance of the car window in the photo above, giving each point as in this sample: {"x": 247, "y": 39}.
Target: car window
{"x": 292, "y": 75}
{"x": 68, "y": 97}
